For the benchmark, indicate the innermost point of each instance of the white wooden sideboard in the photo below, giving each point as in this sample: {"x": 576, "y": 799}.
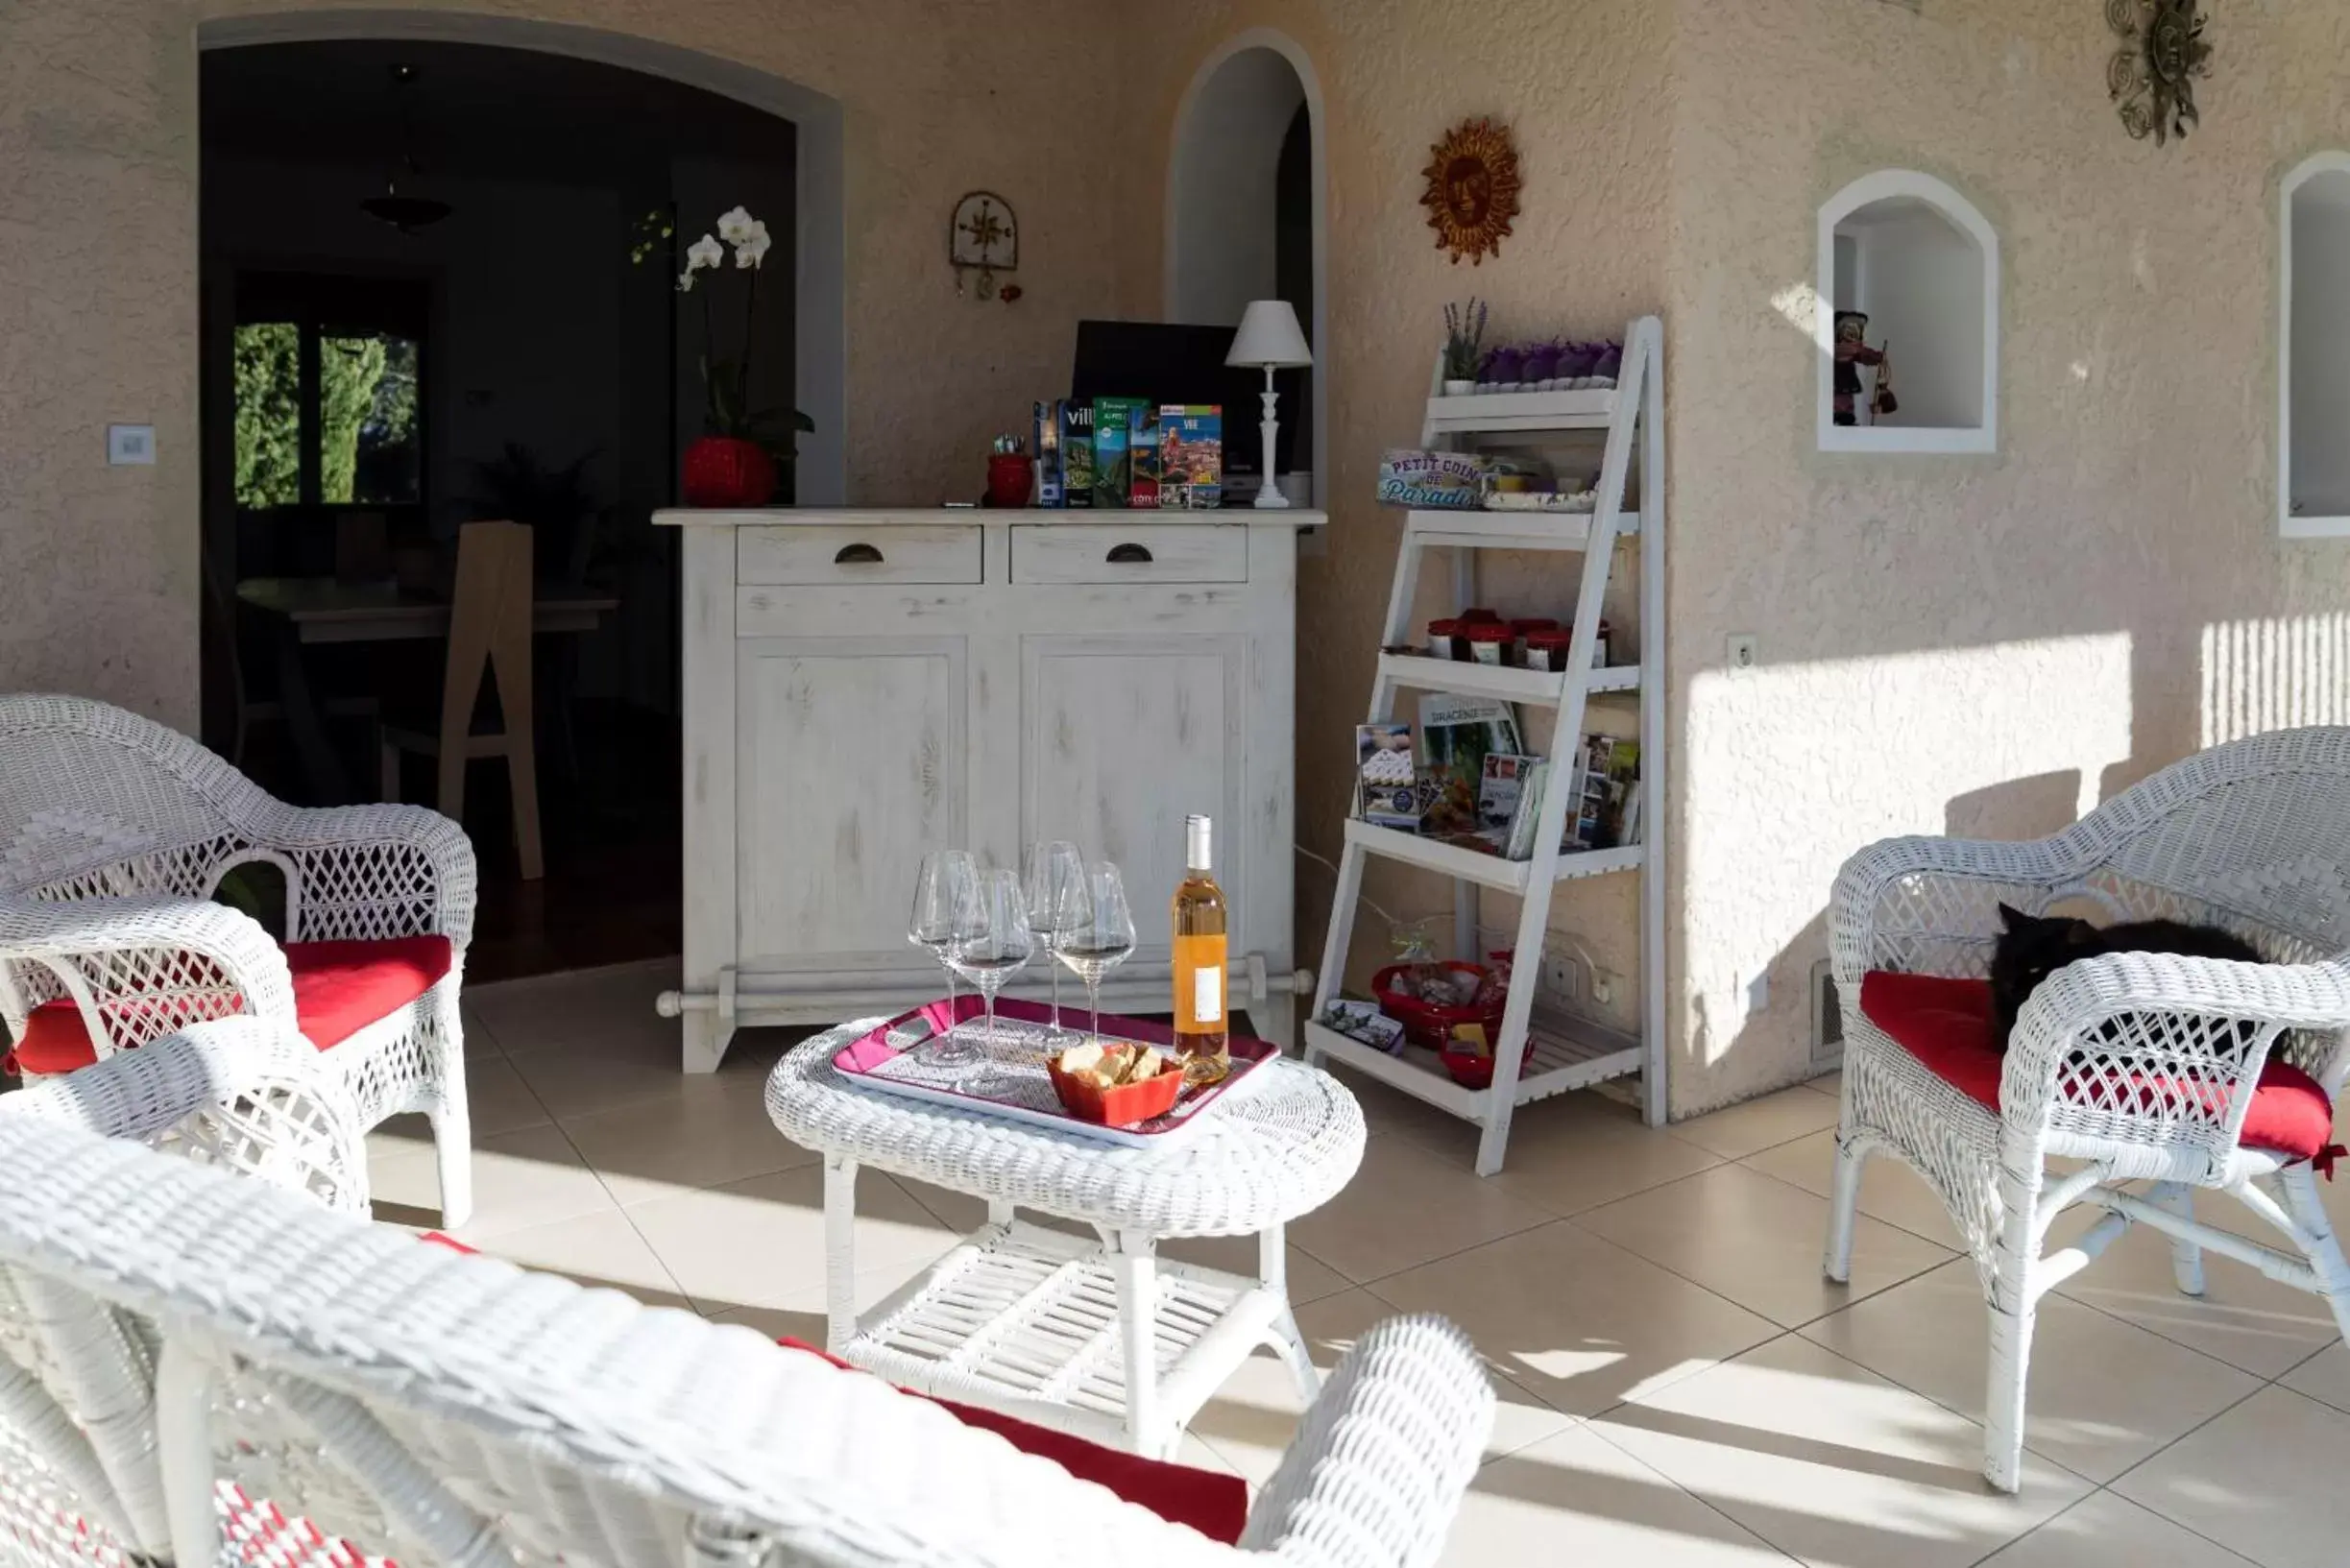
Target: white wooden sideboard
{"x": 862, "y": 687}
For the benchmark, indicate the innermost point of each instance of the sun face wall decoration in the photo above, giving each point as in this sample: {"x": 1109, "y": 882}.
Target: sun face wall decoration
{"x": 1472, "y": 189}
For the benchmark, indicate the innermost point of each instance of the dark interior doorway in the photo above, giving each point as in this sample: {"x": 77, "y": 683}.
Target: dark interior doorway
{"x": 482, "y": 347}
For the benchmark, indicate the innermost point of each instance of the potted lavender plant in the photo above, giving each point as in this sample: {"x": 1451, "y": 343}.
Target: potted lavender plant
{"x": 1463, "y": 339}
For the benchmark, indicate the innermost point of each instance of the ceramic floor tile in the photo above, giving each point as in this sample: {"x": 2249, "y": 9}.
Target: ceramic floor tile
{"x": 530, "y": 1177}
{"x": 2104, "y": 1394}
{"x": 1254, "y": 1414}
{"x": 1579, "y": 1152}
{"x": 1741, "y": 1234}
{"x": 561, "y": 1010}
{"x": 715, "y": 1131}
{"x": 802, "y": 1313}
{"x": 1831, "y": 1463}
{"x": 1405, "y": 1206}
{"x": 1831, "y": 1084}
{"x": 1578, "y": 1319}
{"x": 1389, "y": 1111}
{"x": 1749, "y": 1128}
{"x": 2103, "y": 1530}
{"x": 1889, "y": 1190}
{"x": 1309, "y": 1279}
{"x": 2244, "y": 1317}
{"x": 497, "y": 1100}
{"x": 480, "y": 1038}
{"x": 2324, "y": 1377}
{"x": 594, "y": 1249}
{"x": 2265, "y": 1480}
{"x": 760, "y": 1243}
{"x": 1576, "y": 1498}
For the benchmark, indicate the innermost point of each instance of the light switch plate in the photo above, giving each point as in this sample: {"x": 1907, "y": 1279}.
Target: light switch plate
{"x": 132, "y": 444}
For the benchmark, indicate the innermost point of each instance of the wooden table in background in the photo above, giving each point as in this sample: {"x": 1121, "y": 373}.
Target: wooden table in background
{"x": 322, "y": 609}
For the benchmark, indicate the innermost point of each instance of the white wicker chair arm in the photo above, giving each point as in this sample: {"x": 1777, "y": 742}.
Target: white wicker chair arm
{"x": 372, "y": 871}
{"x": 1374, "y": 1476}
{"x": 146, "y": 965}
{"x": 238, "y": 1092}
{"x": 2126, "y": 1033}
{"x": 1900, "y": 902}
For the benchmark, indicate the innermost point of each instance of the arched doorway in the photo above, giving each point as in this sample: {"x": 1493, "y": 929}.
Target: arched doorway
{"x": 1248, "y": 206}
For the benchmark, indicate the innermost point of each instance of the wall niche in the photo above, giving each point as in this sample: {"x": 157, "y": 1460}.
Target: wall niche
{"x": 2313, "y": 351}
{"x": 1916, "y": 259}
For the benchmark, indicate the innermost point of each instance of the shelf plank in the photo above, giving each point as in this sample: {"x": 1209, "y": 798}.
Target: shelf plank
{"x": 1473, "y": 529}
{"x": 1423, "y": 673}
{"x": 1507, "y": 411}
{"x": 1418, "y": 1074}
{"x": 1491, "y": 870}
{"x": 1561, "y": 1056}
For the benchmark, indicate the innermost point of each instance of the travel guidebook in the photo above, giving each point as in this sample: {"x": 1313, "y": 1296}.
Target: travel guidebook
{"x": 1386, "y": 791}
{"x": 1456, "y": 736}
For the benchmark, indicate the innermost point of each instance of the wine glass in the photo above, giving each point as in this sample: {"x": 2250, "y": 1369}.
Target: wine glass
{"x": 941, "y": 889}
{"x": 1051, "y": 868}
{"x": 991, "y": 936}
{"x": 1095, "y": 931}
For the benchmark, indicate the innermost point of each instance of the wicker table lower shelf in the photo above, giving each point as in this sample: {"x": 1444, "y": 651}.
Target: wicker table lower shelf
{"x": 1030, "y": 1321}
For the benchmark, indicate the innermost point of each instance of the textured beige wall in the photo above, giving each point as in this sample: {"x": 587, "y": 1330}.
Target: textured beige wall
{"x": 1984, "y": 645}
{"x": 98, "y": 273}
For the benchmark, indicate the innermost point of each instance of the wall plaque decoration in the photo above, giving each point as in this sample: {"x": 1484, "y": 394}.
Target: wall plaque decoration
{"x": 1472, "y": 189}
{"x": 2151, "y": 76}
{"x": 983, "y": 238}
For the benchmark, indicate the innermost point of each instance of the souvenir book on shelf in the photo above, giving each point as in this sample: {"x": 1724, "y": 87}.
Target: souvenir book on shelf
{"x": 1191, "y": 456}
{"x": 1456, "y": 736}
{"x": 1387, "y": 784}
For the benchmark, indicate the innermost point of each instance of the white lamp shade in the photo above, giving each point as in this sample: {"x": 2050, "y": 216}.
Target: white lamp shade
{"x": 1269, "y": 336}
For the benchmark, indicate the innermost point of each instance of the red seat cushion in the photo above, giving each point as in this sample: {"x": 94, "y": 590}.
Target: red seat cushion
{"x": 1216, "y": 1506}
{"x": 339, "y": 989}
{"x": 1946, "y": 1024}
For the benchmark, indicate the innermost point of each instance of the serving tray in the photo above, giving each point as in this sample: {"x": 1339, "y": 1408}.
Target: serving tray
{"x": 1007, "y": 1077}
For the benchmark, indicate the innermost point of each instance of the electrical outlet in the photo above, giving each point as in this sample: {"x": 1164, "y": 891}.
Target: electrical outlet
{"x": 1562, "y": 977}
{"x": 1745, "y": 650}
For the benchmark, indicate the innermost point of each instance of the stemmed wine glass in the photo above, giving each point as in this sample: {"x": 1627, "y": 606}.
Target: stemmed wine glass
{"x": 1094, "y": 930}
{"x": 992, "y": 941}
{"x": 944, "y": 885}
{"x": 1051, "y": 868}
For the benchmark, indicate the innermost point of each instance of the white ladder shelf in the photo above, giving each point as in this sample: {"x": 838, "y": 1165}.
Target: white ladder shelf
{"x": 1556, "y": 1054}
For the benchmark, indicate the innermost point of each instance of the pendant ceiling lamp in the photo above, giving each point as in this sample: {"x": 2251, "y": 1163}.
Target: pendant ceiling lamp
{"x": 405, "y": 211}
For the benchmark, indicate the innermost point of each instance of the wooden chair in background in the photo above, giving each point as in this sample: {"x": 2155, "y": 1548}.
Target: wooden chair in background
{"x": 489, "y": 632}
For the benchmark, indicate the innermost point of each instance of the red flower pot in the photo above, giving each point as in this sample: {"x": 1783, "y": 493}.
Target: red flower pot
{"x": 724, "y": 471}
{"x": 1008, "y": 479}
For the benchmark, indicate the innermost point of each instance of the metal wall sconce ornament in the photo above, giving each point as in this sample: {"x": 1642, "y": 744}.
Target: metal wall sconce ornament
{"x": 982, "y": 240}
{"x": 1472, "y": 189}
{"x": 2151, "y": 76}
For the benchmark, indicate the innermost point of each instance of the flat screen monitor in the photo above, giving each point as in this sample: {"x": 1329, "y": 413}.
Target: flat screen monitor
{"x": 1173, "y": 363}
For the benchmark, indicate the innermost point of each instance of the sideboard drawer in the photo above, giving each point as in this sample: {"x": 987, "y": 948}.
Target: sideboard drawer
{"x": 825, "y": 556}
{"x": 1110, "y": 552}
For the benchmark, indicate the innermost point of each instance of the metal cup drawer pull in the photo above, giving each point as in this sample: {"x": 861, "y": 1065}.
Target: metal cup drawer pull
{"x": 856, "y": 555}
{"x": 1128, "y": 555}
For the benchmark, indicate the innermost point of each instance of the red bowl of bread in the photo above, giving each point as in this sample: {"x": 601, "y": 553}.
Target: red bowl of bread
{"x": 1428, "y": 1023}
{"x": 1116, "y": 1084}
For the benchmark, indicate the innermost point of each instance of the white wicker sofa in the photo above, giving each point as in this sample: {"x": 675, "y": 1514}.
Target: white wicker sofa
{"x": 202, "y": 1366}
{"x": 114, "y": 833}
{"x": 2158, "y": 1074}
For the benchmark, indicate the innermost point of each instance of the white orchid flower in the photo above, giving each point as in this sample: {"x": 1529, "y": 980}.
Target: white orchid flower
{"x": 751, "y": 250}
{"x": 705, "y": 251}
{"x": 735, "y": 226}
{"x": 685, "y": 282}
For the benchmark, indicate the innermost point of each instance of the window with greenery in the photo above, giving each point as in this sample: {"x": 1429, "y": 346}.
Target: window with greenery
{"x": 327, "y": 416}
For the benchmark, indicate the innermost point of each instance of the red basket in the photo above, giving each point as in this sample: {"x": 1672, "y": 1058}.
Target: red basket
{"x": 1425, "y": 1022}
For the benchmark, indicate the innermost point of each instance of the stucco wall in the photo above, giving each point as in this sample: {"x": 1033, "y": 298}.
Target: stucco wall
{"x": 98, "y": 147}
{"x": 1988, "y": 644}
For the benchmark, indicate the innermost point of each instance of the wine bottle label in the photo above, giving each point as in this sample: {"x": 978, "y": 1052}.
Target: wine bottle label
{"x": 1199, "y": 965}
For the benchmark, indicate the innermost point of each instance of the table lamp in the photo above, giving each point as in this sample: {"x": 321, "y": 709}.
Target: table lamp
{"x": 1269, "y": 336}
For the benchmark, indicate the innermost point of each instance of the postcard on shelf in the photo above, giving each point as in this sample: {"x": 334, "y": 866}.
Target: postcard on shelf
{"x": 1044, "y": 443}
{"x": 1387, "y": 785}
{"x": 1191, "y": 456}
{"x": 1363, "y": 1021}
{"x": 1502, "y": 792}
{"x": 1457, "y": 735}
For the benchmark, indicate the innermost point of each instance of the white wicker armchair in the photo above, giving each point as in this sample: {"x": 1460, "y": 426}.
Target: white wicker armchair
{"x": 114, "y": 831}
{"x": 199, "y": 1368}
{"x": 2150, "y": 1067}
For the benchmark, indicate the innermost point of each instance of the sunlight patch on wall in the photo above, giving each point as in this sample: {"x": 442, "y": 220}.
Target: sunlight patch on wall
{"x": 2273, "y": 674}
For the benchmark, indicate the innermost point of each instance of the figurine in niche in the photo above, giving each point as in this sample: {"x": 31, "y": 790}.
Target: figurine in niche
{"x": 1851, "y": 352}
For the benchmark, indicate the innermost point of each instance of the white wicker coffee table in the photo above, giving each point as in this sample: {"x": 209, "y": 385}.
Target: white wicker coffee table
{"x": 1098, "y": 1338}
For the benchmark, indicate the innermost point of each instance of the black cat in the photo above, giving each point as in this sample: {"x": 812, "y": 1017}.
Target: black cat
{"x": 2032, "y": 947}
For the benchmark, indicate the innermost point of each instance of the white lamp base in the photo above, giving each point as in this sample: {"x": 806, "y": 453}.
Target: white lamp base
{"x": 1269, "y": 495}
